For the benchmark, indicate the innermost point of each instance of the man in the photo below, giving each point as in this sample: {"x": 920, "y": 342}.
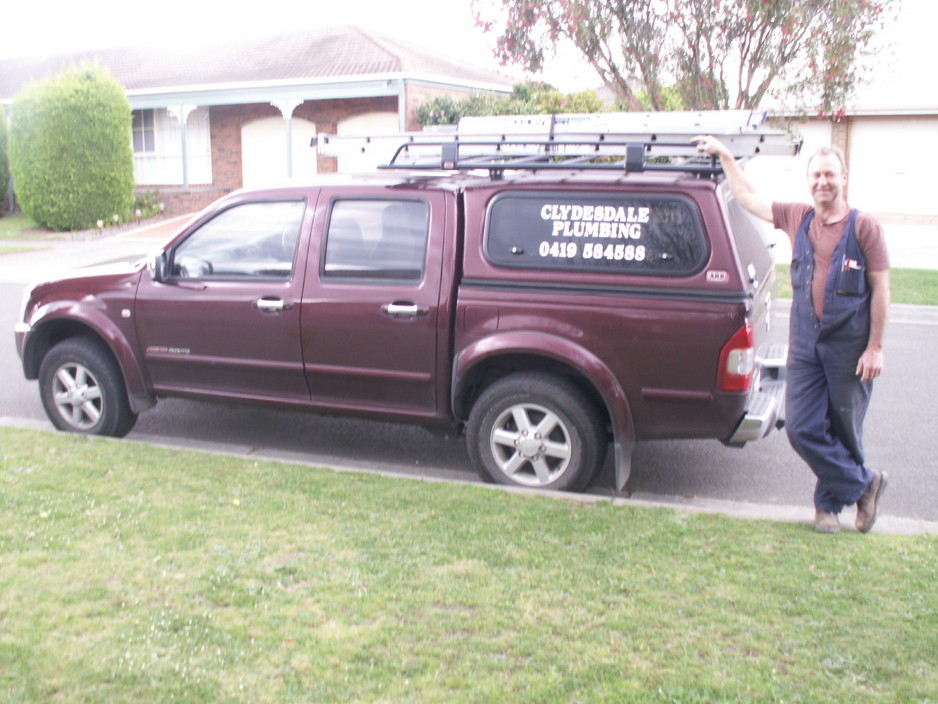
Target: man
{"x": 840, "y": 282}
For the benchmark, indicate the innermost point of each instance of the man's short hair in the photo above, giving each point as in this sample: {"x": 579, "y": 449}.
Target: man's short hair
{"x": 828, "y": 150}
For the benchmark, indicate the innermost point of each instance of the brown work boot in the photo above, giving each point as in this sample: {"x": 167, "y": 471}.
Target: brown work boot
{"x": 826, "y": 522}
{"x": 869, "y": 502}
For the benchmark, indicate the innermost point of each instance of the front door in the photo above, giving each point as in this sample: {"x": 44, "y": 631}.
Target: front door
{"x": 225, "y": 321}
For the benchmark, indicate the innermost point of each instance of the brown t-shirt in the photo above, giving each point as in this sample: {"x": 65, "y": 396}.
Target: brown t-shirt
{"x": 824, "y": 238}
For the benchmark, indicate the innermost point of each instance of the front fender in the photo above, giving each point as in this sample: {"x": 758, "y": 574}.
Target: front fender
{"x": 58, "y": 320}
{"x": 578, "y": 359}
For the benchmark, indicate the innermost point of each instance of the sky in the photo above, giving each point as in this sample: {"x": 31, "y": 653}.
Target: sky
{"x": 43, "y": 27}
{"x": 40, "y": 27}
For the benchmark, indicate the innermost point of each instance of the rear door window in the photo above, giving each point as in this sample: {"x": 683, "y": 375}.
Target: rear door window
{"x": 377, "y": 239}
{"x": 609, "y": 233}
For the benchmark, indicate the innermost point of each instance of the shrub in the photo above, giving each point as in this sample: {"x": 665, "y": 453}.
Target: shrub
{"x": 525, "y": 99}
{"x": 70, "y": 151}
{"x": 147, "y": 204}
{"x": 4, "y": 162}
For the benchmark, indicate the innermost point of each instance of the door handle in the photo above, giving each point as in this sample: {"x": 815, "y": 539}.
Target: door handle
{"x": 410, "y": 310}
{"x": 271, "y": 305}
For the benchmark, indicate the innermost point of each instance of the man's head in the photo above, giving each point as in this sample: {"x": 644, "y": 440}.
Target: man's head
{"x": 827, "y": 176}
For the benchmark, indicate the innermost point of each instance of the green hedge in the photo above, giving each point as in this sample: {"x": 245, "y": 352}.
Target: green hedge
{"x": 70, "y": 151}
{"x": 525, "y": 99}
{"x": 4, "y": 162}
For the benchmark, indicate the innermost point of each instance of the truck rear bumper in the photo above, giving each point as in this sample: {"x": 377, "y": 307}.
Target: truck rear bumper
{"x": 766, "y": 408}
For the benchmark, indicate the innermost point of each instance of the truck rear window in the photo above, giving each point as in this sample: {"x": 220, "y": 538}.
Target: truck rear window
{"x": 603, "y": 232}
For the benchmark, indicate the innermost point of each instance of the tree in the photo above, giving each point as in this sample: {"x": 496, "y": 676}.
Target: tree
{"x": 70, "y": 150}
{"x": 525, "y": 99}
{"x": 717, "y": 53}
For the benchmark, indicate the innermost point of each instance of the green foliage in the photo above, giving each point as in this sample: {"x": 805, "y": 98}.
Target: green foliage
{"x": 147, "y": 205}
{"x": 447, "y": 110}
{"x": 668, "y": 98}
{"x": 525, "y": 99}
{"x": 70, "y": 149}
{"x": 4, "y": 162}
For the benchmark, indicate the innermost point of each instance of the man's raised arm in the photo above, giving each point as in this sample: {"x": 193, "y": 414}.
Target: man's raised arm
{"x": 742, "y": 187}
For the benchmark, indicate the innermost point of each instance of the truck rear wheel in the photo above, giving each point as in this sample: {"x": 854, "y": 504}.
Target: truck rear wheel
{"x": 82, "y": 389}
{"x": 536, "y": 430}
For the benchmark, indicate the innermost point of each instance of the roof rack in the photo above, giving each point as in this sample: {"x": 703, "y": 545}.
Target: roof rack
{"x": 629, "y": 142}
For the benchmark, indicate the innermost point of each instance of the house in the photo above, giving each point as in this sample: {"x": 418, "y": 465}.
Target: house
{"x": 251, "y": 108}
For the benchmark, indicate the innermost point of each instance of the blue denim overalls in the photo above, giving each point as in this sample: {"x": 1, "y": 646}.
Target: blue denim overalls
{"x": 826, "y": 402}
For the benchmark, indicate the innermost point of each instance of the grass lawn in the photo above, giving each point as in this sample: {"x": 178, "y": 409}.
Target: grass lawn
{"x": 19, "y": 227}
{"x": 130, "y": 573}
{"x": 914, "y": 286}
{"x": 6, "y": 249}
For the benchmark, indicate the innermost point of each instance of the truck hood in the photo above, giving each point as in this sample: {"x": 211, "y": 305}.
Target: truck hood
{"x": 114, "y": 267}
{"x": 117, "y": 279}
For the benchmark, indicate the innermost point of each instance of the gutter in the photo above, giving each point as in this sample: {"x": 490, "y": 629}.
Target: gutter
{"x": 333, "y": 87}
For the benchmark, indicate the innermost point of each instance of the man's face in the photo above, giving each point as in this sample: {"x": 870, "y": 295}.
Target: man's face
{"x": 826, "y": 179}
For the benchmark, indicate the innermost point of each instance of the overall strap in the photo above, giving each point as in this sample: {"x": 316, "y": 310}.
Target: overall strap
{"x": 802, "y": 242}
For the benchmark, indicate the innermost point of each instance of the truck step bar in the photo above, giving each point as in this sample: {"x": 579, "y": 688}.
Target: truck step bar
{"x": 630, "y": 142}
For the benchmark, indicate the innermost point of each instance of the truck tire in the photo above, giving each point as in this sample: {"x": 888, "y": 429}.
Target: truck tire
{"x": 536, "y": 430}
{"x": 83, "y": 391}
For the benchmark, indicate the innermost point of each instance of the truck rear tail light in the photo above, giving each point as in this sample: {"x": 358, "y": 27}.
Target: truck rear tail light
{"x": 737, "y": 361}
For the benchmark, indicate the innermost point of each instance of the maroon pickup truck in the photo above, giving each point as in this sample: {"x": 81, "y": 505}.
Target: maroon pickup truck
{"x": 546, "y": 312}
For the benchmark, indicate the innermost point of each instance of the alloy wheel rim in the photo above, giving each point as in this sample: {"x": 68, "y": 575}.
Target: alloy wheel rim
{"x": 77, "y": 396}
{"x": 531, "y": 445}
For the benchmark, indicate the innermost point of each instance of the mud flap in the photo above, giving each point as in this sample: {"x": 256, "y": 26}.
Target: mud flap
{"x": 623, "y": 459}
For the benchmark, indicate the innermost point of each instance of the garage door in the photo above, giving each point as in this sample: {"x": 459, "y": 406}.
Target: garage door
{"x": 264, "y": 151}
{"x": 373, "y": 124}
{"x": 890, "y": 165}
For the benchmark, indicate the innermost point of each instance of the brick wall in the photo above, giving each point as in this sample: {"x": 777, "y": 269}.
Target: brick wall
{"x": 180, "y": 201}
{"x": 226, "y": 122}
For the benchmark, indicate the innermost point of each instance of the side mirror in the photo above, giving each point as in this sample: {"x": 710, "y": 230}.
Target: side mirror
{"x": 158, "y": 267}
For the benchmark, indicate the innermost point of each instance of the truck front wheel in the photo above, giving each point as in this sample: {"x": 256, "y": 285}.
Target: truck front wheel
{"x": 82, "y": 389}
{"x": 536, "y": 430}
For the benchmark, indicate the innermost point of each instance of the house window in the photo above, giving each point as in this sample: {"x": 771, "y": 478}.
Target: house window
{"x": 158, "y": 147}
{"x": 144, "y": 135}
